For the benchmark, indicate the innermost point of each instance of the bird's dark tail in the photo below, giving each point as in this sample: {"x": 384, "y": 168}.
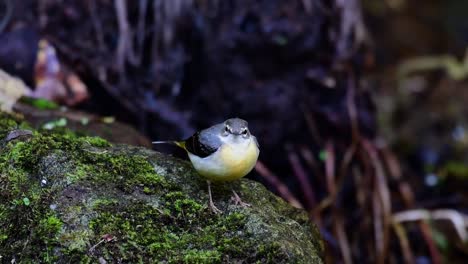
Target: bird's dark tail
{"x": 177, "y": 143}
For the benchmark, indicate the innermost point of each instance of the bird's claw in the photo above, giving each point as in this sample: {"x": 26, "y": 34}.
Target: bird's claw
{"x": 238, "y": 201}
{"x": 214, "y": 209}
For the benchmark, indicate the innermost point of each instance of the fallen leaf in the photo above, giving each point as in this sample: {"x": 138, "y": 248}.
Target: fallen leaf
{"x": 11, "y": 89}
{"x": 55, "y": 81}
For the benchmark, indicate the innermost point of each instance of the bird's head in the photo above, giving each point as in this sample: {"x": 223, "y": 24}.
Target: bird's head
{"x": 236, "y": 128}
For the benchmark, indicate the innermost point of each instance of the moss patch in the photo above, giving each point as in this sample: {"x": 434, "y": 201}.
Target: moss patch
{"x": 74, "y": 199}
{"x": 28, "y": 188}
{"x": 182, "y": 233}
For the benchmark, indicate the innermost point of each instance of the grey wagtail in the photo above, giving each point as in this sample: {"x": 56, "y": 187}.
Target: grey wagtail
{"x": 222, "y": 153}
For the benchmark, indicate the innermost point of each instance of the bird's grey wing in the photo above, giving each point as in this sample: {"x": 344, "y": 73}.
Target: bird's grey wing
{"x": 205, "y": 142}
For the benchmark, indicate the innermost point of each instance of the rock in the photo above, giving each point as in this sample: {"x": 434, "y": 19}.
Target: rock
{"x": 71, "y": 199}
{"x": 86, "y": 123}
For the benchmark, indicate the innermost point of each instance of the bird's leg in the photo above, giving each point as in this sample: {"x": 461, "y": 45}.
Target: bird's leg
{"x": 213, "y": 208}
{"x": 237, "y": 200}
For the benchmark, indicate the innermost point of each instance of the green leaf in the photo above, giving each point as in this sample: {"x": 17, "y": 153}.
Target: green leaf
{"x": 39, "y": 103}
{"x": 26, "y": 201}
{"x": 440, "y": 239}
{"x": 323, "y": 155}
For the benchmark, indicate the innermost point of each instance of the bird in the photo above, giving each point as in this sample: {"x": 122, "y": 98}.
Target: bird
{"x": 224, "y": 152}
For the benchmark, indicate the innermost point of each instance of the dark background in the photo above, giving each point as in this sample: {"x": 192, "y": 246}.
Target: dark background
{"x": 355, "y": 134}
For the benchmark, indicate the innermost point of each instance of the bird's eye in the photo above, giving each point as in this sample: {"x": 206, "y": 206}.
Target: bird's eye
{"x": 244, "y": 132}
{"x": 226, "y": 131}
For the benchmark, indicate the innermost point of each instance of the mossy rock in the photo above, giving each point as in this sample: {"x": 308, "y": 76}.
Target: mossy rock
{"x": 70, "y": 199}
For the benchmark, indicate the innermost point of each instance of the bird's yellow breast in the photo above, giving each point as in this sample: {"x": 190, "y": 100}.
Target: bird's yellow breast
{"x": 228, "y": 163}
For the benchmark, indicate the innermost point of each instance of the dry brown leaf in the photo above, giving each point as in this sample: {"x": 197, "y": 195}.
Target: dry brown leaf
{"x": 54, "y": 81}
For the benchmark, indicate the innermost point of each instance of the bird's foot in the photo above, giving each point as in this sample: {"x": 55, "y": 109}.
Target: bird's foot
{"x": 213, "y": 208}
{"x": 238, "y": 201}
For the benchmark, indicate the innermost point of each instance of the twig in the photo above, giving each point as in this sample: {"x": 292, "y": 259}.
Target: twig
{"x": 121, "y": 10}
{"x": 333, "y": 185}
{"x": 360, "y": 187}
{"x": 157, "y": 6}
{"x": 378, "y": 227}
{"x": 7, "y": 16}
{"x": 351, "y": 107}
{"x": 104, "y": 239}
{"x": 273, "y": 180}
{"x": 348, "y": 157}
{"x": 165, "y": 14}
{"x": 459, "y": 221}
{"x": 352, "y": 26}
{"x": 330, "y": 169}
{"x": 311, "y": 161}
{"x": 338, "y": 223}
{"x": 92, "y": 8}
{"x": 404, "y": 243}
{"x": 302, "y": 176}
{"x": 124, "y": 35}
{"x": 426, "y": 232}
{"x": 168, "y": 113}
{"x": 311, "y": 124}
{"x": 342, "y": 239}
{"x": 455, "y": 69}
{"x": 382, "y": 202}
{"x": 142, "y": 10}
{"x": 395, "y": 172}
{"x": 307, "y": 5}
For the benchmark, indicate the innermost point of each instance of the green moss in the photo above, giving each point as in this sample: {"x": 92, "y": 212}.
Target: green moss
{"x": 97, "y": 203}
{"x": 126, "y": 172}
{"x": 269, "y": 252}
{"x": 6, "y": 125}
{"x": 80, "y": 192}
{"x": 7, "y": 122}
{"x": 158, "y": 235}
{"x": 29, "y": 196}
{"x": 75, "y": 242}
{"x": 96, "y": 141}
{"x": 10, "y": 122}
{"x": 202, "y": 256}
{"x": 80, "y": 172}
{"x": 180, "y": 204}
{"x": 49, "y": 226}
